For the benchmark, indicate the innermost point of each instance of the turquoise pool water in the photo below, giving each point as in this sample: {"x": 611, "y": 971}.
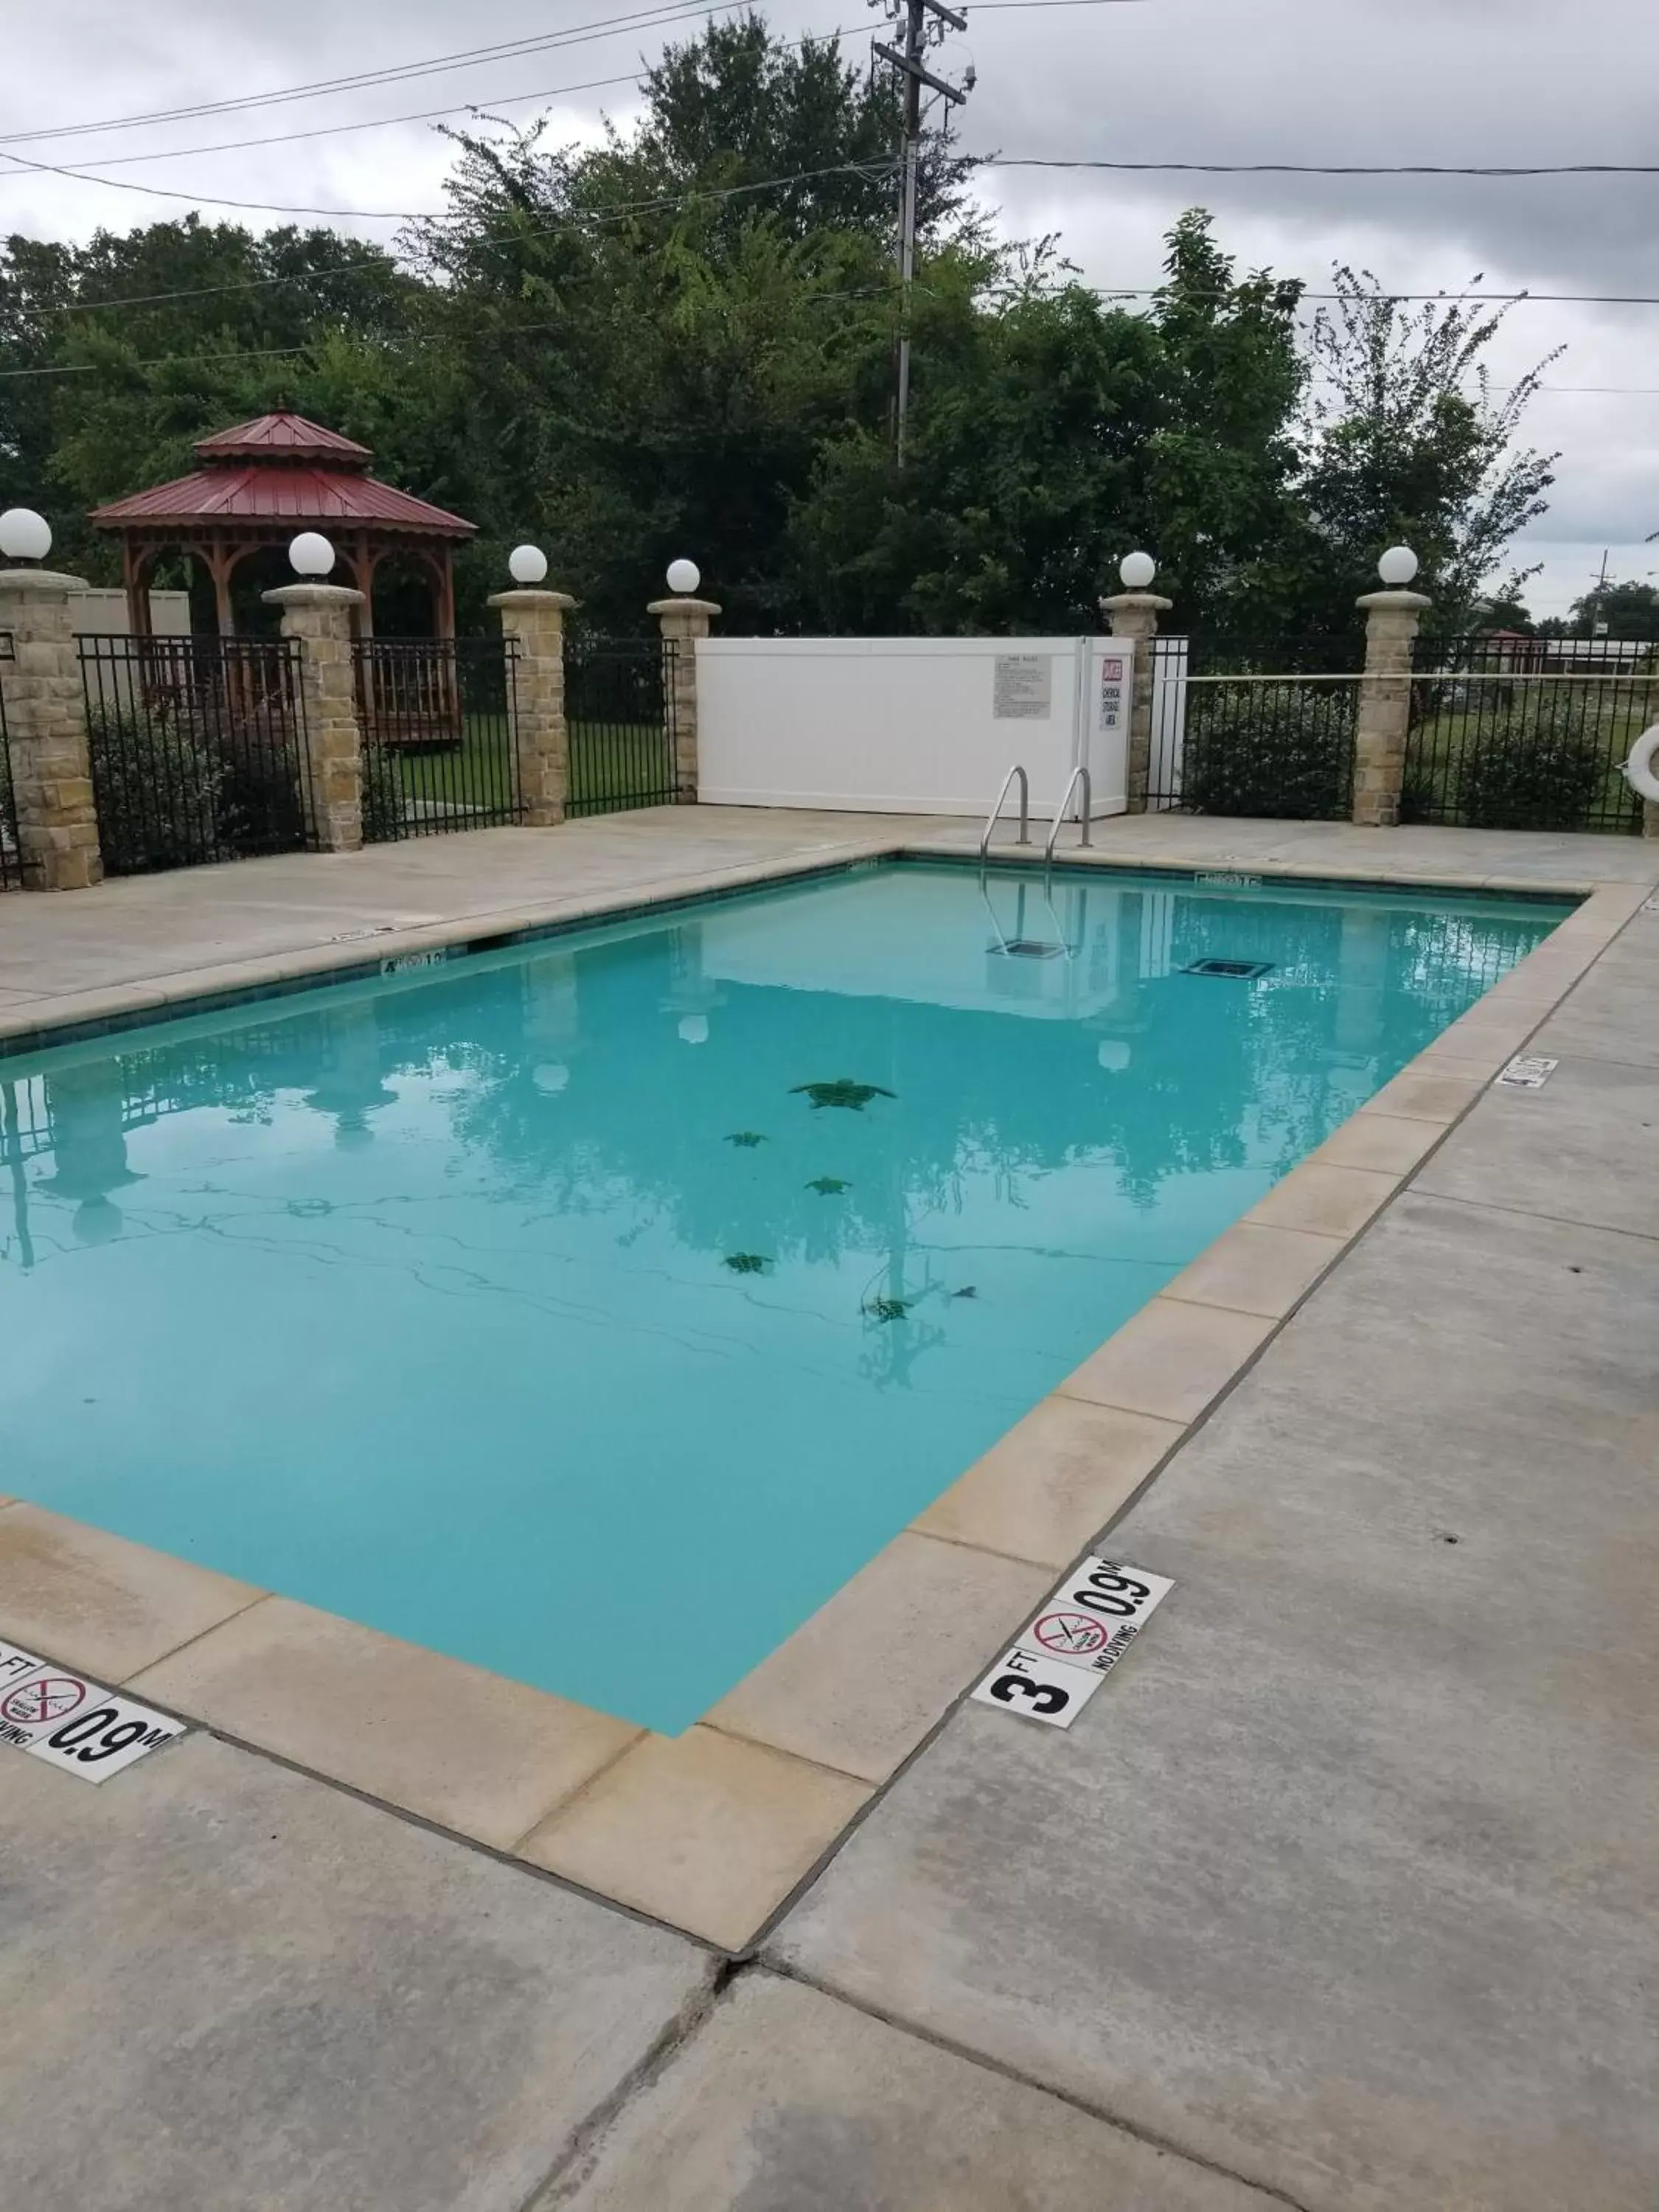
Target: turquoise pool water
{"x": 530, "y": 1308}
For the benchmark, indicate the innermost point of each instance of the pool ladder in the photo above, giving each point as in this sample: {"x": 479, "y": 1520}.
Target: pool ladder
{"x": 1059, "y": 941}
{"x": 1025, "y": 837}
{"x": 1086, "y": 835}
{"x": 1080, "y": 775}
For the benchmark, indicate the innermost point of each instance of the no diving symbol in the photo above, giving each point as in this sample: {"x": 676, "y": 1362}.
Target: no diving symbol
{"x": 1071, "y": 1635}
{"x": 48, "y": 1697}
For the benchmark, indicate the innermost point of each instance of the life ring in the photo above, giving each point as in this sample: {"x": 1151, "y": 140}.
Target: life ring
{"x": 1640, "y": 772}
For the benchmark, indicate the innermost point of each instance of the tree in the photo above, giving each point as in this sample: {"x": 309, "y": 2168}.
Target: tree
{"x": 1629, "y": 610}
{"x": 1053, "y": 432}
{"x": 1399, "y": 449}
{"x": 1500, "y": 610}
{"x": 155, "y": 338}
{"x": 736, "y": 109}
{"x": 680, "y": 341}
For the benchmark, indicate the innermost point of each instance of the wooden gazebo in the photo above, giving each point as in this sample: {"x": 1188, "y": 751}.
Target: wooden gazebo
{"x": 259, "y": 484}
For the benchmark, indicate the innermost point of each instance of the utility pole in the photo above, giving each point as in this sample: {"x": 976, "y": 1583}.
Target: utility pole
{"x": 922, "y": 21}
{"x": 1598, "y": 623}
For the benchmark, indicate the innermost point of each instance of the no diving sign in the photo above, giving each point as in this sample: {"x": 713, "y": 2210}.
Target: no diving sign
{"x": 1074, "y": 1643}
{"x": 72, "y": 1723}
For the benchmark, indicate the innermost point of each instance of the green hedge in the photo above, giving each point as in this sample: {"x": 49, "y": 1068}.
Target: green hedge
{"x": 1540, "y": 765}
{"x": 160, "y": 792}
{"x": 1282, "y": 751}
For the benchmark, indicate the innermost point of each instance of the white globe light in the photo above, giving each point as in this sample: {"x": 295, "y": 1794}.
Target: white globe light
{"x": 1114, "y": 1054}
{"x": 24, "y": 535}
{"x": 527, "y": 564}
{"x": 683, "y": 577}
{"x": 694, "y": 1028}
{"x": 1137, "y": 570}
{"x": 310, "y": 554}
{"x": 1397, "y": 566}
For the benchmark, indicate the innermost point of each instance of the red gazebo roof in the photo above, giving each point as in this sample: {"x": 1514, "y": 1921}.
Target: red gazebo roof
{"x": 285, "y": 438}
{"x": 281, "y": 468}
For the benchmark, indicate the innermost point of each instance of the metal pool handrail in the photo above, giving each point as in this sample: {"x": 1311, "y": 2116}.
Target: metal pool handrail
{"x": 1085, "y": 838}
{"x": 1025, "y": 837}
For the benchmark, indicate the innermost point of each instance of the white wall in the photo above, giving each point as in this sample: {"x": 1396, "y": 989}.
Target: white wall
{"x": 908, "y": 726}
{"x": 103, "y": 613}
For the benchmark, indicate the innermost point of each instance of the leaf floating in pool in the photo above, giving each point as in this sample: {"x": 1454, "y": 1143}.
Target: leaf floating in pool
{"x": 888, "y": 1309}
{"x": 747, "y": 1138}
{"x": 843, "y": 1091}
{"x": 828, "y": 1186}
{"x": 747, "y": 1263}
{"x": 968, "y": 1290}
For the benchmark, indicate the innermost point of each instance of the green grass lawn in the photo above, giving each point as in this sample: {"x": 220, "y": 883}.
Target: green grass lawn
{"x": 617, "y": 764}
{"x": 611, "y": 765}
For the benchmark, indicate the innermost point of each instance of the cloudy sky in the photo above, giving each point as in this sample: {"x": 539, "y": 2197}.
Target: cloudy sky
{"x": 1312, "y": 81}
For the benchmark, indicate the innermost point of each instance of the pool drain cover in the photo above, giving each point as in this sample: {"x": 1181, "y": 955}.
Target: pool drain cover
{"x": 1028, "y": 948}
{"x": 1244, "y": 969}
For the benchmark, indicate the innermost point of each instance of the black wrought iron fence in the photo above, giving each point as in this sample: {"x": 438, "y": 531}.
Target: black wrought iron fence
{"x": 618, "y": 699}
{"x": 1254, "y": 727}
{"x": 12, "y": 857}
{"x": 439, "y": 721}
{"x": 198, "y": 749}
{"x": 1510, "y": 732}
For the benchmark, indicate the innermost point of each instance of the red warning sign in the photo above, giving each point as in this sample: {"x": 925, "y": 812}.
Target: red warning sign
{"x": 47, "y": 1698}
{"x": 1072, "y": 1635}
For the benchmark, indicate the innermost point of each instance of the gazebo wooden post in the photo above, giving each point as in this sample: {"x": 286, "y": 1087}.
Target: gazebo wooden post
{"x": 365, "y": 563}
{"x": 220, "y": 559}
{"x": 133, "y": 564}
{"x": 446, "y": 608}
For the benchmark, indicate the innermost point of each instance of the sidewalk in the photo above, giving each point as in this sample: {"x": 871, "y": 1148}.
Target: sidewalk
{"x": 1347, "y": 1882}
{"x": 1342, "y": 1893}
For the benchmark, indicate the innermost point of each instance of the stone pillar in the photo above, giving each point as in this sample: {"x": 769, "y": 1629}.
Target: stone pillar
{"x": 684, "y": 622}
{"x": 534, "y": 621}
{"x": 46, "y": 720}
{"x": 1133, "y": 616}
{"x": 1385, "y": 706}
{"x": 319, "y": 617}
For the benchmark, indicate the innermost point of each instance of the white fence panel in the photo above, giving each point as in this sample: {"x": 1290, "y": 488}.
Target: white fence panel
{"x": 909, "y": 726}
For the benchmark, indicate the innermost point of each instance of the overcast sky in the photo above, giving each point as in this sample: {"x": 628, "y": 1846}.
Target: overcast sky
{"x": 1457, "y": 80}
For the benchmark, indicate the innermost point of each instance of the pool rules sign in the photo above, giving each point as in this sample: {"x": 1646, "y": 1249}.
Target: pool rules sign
{"x": 1075, "y": 1640}
{"x": 71, "y": 1723}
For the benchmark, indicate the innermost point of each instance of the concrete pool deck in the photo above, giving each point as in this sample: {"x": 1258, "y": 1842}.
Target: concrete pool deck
{"x": 1297, "y": 1907}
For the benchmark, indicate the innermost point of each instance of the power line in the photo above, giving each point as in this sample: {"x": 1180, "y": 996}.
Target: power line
{"x": 469, "y": 57}
{"x": 531, "y": 329}
{"x": 196, "y": 198}
{"x": 869, "y": 170}
{"x": 476, "y": 107}
{"x": 368, "y": 123}
{"x": 159, "y": 361}
{"x": 219, "y": 199}
{"x": 1514, "y": 299}
{"x": 379, "y": 260}
{"x": 982, "y": 161}
{"x": 1320, "y": 168}
{"x": 392, "y": 343}
{"x": 435, "y": 65}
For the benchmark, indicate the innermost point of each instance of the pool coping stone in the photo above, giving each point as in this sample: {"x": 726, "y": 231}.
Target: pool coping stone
{"x": 714, "y": 1833}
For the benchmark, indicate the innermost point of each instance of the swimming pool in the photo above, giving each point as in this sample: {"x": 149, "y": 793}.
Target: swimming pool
{"x": 593, "y": 1309}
